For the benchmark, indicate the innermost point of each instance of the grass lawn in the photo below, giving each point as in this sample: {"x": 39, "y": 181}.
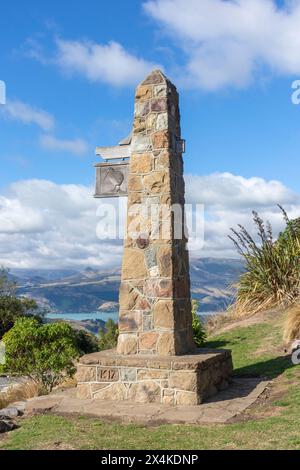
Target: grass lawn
{"x": 273, "y": 424}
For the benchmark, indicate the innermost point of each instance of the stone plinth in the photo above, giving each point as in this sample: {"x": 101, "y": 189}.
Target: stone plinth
{"x": 171, "y": 380}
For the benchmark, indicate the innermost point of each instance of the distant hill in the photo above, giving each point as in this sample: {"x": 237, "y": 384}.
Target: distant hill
{"x": 86, "y": 291}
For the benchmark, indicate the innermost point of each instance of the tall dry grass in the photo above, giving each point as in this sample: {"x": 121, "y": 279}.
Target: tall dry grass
{"x": 18, "y": 392}
{"x": 272, "y": 267}
{"x": 292, "y": 324}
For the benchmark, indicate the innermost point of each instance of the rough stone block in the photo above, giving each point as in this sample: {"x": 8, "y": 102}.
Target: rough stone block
{"x": 141, "y": 163}
{"x": 86, "y": 374}
{"x": 145, "y": 392}
{"x": 83, "y": 391}
{"x": 184, "y": 380}
{"x": 187, "y": 398}
{"x": 127, "y": 343}
{"x": 163, "y": 314}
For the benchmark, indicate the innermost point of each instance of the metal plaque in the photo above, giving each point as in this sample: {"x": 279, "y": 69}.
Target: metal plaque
{"x": 111, "y": 179}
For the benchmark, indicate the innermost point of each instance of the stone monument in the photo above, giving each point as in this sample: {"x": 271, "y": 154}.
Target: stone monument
{"x": 156, "y": 359}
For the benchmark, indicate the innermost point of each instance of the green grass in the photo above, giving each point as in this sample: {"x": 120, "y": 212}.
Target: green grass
{"x": 255, "y": 351}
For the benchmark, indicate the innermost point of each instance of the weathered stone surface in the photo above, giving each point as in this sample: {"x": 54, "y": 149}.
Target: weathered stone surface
{"x": 155, "y": 77}
{"x": 141, "y": 163}
{"x": 158, "y": 288}
{"x": 166, "y": 344}
{"x": 161, "y": 140}
{"x": 107, "y": 374}
{"x": 184, "y": 380}
{"x": 162, "y": 122}
{"x": 160, "y": 91}
{"x": 148, "y": 340}
{"x": 150, "y": 374}
{"x": 143, "y": 92}
{"x": 141, "y": 108}
{"x": 147, "y": 321}
{"x": 165, "y": 259}
{"x": 135, "y": 183}
{"x": 145, "y": 392}
{"x": 128, "y": 374}
{"x": 114, "y": 392}
{"x": 156, "y": 182}
{"x": 140, "y": 144}
{"x": 128, "y": 296}
{"x": 163, "y": 314}
{"x": 187, "y": 398}
{"x": 84, "y": 391}
{"x": 151, "y": 121}
{"x": 159, "y": 105}
{"x": 86, "y": 374}
{"x": 130, "y": 321}
{"x": 127, "y": 344}
{"x": 133, "y": 264}
{"x": 150, "y": 257}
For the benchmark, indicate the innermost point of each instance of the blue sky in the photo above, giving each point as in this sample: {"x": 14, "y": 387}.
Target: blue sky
{"x": 71, "y": 68}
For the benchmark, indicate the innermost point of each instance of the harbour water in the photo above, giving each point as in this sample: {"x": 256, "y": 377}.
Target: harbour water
{"x": 98, "y": 315}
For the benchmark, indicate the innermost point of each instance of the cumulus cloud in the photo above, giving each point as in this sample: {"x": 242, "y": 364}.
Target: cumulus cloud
{"x": 47, "y": 225}
{"x": 107, "y": 63}
{"x": 19, "y": 111}
{"x": 44, "y": 224}
{"x": 227, "y": 42}
{"x": 76, "y": 146}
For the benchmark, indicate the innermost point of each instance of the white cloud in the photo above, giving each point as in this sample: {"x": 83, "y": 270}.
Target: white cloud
{"x": 226, "y": 43}
{"x": 109, "y": 63}
{"x": 44, "y": 224}
{"x": 76, "y": 146}
{"x": 19, "y": 111}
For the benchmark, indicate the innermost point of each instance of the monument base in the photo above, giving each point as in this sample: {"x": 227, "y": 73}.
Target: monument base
{"x": 172, "y": 380}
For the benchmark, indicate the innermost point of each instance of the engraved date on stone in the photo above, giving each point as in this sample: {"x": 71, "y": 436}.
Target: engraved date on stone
{"x": 108, "y": 375}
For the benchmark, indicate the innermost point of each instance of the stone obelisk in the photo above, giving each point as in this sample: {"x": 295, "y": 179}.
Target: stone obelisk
{"x": 155, "y": 360}
{"x": 155, "y": 306}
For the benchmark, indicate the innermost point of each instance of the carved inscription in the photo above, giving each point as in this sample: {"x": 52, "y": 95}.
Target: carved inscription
{"x": 108, "y": 375}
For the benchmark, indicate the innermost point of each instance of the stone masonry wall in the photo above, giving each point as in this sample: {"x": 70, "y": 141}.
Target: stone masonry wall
{"x": 186, "y": 380}
{"x": 155, "y": 307}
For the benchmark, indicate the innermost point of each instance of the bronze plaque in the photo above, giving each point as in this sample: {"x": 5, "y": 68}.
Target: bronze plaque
{"x": 111, "y": 179}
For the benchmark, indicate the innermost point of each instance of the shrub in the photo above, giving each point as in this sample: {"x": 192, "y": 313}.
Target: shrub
{"x": 12, "y": 307}
{"x": 272, "y": 268}
{"x": 44, "y": 353}
{"x": 86, "y": 342}
{"x": 198, "y": 330}
{"x": 108, "y": 337}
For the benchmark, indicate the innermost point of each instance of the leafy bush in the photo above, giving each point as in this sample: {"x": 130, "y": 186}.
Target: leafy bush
{"x": 198, "y": 330}
{"x": 108, "y": 337}
{"x": 86, "y": 342}
{"x": 45, "y": 353}
{"x": 12, "y": 307}
{"x": 272, "y": 268}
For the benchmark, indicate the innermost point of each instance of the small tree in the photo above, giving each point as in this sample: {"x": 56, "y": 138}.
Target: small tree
{"x": 12, "y": 307}
{"x": 86, "y": 342}
{"x": 198, "y": 330}
{"x": 45, "y": 353}
{"x": 108, "y": 337}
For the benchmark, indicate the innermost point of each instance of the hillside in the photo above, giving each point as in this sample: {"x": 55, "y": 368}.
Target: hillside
{"x": 271, "y": 423}
{"x": 87, "y": 290}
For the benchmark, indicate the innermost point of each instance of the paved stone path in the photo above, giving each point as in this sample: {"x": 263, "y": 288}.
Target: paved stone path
{"x": 220, "y": 409}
